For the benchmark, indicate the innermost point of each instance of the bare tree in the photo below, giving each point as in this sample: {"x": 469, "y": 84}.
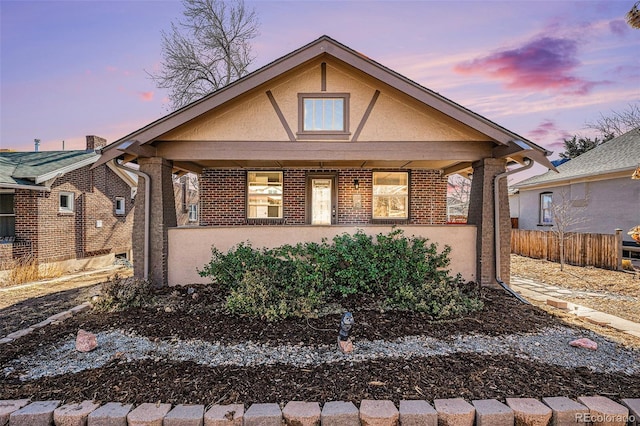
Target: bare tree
{"x": 617, "y": 122}
{"x": 567, "y": 215}
{"x": 207, "y": 51}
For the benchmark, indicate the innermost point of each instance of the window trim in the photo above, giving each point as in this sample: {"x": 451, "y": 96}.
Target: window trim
{"x": 408, "y": 202}
{"x": 281, "y": 217}
{"x": 323, "y": 134}
{"x": 123, "y": 210}
{"x": 71, "y": 207}
{"x": 541, "y": 221}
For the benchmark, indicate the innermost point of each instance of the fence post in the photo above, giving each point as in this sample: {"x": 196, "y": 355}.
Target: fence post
{"x": 618, "y": 249}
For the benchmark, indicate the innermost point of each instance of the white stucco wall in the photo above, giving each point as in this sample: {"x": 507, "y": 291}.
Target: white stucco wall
{"x": 609, "y": 204}
{"x": 190, "y": 248}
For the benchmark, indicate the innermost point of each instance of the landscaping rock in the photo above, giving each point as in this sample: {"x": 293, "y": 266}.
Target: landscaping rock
{"x": 9, "y": 406}
{"x": 605, "y": 412}
{"x": 110, "y": 414}
{"x": 148, "y": 414}
{"x": 39, "y": 413}
{"x": 490, "y": 412}
{"x": 185, "y": 415}
{"x": 454, "y": 412}
{"x": 263, "y": 415}
{"x": 86, "y": 341}
{"x": 566, "y": 411}
{"x": 584, "y": 343}
{"x": 378, "y": 413}
{"x": 417, "y": 413}
{"x": 529, "y": 411}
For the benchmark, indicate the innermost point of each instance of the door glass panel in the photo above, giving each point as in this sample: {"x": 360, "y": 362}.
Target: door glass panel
{"x": 321, "y": 201}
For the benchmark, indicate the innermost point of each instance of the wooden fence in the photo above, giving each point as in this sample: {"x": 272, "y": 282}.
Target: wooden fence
{"x": 599, "y": 250}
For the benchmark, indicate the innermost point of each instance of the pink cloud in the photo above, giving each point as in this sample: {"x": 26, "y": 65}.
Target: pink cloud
{"x": 618, "y": 27}
{"x": 146, "y": 96}
{"x": 550, "y": 135}
{"x": 545, "y": 63}
{"x": 111, "y": 69}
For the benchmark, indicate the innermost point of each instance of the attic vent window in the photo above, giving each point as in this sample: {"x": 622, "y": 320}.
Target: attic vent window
{"x": 323, "y": 115}
{"x": 66, "y": 202}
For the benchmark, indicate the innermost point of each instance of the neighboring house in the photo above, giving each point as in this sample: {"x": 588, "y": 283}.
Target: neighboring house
{"x": 319, "y": 142}
{"x": 185, "y": 189}
{"x": 597, "y": 187}
{"x": 54, "y": 208}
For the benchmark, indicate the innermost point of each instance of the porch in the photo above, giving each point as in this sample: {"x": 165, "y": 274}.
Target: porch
{"x": 190, "y": 247}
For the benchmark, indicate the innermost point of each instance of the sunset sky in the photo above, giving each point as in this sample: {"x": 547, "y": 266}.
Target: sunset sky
{"x": 539, "y": 68}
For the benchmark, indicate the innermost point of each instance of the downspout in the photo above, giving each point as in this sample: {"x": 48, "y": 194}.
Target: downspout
{"x": 147, "y": 209}
{"x": 496, "y": 223}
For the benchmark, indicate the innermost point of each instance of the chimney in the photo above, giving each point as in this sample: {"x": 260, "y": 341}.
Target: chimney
{"x": 36, "y": 142}
{"x": 95, "y": 142}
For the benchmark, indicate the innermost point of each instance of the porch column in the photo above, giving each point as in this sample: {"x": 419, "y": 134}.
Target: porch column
{"x": 481, "y": 214}
{"x": 162, "y": 216}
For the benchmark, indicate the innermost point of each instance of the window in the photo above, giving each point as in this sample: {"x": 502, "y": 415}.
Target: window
{"x": 546, "y": 214}
{"x": 264, "y": 195}
{"x": 120, "y": 209}
{"x": 390, "y": 195}
{"x": 7, "y": 216}
{"x": 193, "y": 212}
{"x": 66, "y": 202}
{"x": 323, "y": 114}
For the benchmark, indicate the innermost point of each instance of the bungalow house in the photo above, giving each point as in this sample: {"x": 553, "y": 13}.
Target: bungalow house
{"x": 600, "y": 185}
{"x": 317, "y": 143}
{"x": 55, "y": 209}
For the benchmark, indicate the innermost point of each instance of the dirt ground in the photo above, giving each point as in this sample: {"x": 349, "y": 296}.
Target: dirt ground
{"x": 621, "y": 289}
{"x": 26, "y": 305}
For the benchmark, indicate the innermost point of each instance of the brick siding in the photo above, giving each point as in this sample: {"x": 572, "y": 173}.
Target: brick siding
{"x": 223, "y": 198}
{"x": 49, "y": 235}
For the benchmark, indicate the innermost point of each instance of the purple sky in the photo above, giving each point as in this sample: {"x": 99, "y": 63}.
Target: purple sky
{"x": 539, "y": 68}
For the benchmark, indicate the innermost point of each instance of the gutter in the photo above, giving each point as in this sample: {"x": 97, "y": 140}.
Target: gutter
{"x": 147, "y": 204}
{"x": 496, "y": 224}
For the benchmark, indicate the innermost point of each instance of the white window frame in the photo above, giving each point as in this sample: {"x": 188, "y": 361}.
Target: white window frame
{"x": 379, "y": 194}
{"x": 546, "y": 207}
{"x": 13, "y": 211}
{"x": 69, "y": 208}
{"x": 122, "y": 209}
{"x": 261, "y": 192}
{"x": 193, "y": 212}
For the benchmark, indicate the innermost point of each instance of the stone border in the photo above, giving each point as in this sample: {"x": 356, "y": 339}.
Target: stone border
{"x": 53, "y": 319}
{"x": 452, "y": 412}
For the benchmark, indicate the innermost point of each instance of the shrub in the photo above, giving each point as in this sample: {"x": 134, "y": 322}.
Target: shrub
{"x": 119, "y": 294}
{"x": 401, "y": 272}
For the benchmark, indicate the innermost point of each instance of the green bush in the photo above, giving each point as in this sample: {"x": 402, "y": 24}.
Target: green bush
{"x": 119, "y": 294}
{"x": 407, "y": 273}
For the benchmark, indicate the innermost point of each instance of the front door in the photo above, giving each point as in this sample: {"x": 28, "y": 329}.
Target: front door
{"x": 322, "y": 208}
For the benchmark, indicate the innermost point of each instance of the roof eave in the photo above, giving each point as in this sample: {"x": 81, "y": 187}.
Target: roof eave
{"x": 63, "y": 170}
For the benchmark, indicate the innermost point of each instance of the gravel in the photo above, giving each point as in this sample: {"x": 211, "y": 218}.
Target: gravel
{"x": 549, "y": 346}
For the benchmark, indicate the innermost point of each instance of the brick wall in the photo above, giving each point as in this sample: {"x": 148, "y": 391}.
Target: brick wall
{"x": 50, "y": 235}
{"x": 223, "y": 197}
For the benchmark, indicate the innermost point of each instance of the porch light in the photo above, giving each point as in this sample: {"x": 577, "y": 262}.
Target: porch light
{"x": 356, "y": 183}
{"x": 346, "y": 323}
{"x": 636, "y": 173}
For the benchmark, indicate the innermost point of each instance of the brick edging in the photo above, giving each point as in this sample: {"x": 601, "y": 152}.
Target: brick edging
{"x": 453, "y": 412}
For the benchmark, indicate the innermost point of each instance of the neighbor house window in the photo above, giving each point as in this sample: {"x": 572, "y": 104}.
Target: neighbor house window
{"x": 66, "y": 202}
{"x": 323, "y": 114}
{"x": 7, "y": 215}
{"x": 264, "y": 195}
{"x": 546, "y": 201}
{"x": 193, "y": 212}
{"x": 390, "y": 195}
{"x": 120, "y": 209}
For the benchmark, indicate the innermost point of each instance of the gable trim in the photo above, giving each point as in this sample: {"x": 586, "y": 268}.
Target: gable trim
{"x": 63, "y": 170}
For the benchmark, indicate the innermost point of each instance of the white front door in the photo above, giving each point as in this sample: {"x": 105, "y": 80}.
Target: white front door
{"x": 321, "y": 208}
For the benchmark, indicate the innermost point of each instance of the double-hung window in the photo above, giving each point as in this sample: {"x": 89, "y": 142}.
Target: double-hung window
{"x": 7, "y": 215}
{"x": 120, "y": 206}
{"x": 546, "y": 213}
{"x": 390, "y": 195}
{"x": 323, "y": 115}
{"x": 193, "y": 212}
{"x": 264, "y": 195}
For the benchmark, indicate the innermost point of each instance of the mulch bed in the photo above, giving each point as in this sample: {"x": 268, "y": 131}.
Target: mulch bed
{"x": 471, "y": 376}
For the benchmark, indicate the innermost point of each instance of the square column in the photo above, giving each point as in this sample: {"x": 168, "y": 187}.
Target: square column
{"x": 162, "y": 216}
{"x": 481, "y": 214}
